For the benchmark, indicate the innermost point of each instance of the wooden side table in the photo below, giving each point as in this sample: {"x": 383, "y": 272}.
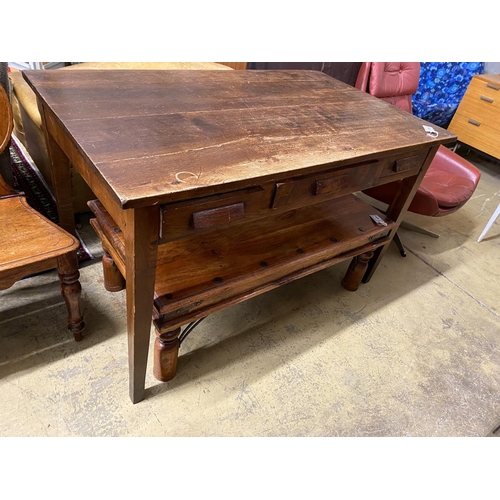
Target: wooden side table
{"x": 477, "y": 119}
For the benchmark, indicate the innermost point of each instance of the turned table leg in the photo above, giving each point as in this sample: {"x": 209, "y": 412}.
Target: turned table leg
{"x": 71, "y": 291}
{"x": 113, "y": 279}
{"x": 166, "y": 355}
{"x": 356, "y": 271}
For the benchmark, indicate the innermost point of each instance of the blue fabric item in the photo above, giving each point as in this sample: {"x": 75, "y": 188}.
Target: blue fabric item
{"x": 441, "y": 88}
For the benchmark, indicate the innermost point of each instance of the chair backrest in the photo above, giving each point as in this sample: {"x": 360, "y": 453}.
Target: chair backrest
{"x": 6, "y": 125}
{"x": 6, "y": 120}
{"x": 394, "y": 82}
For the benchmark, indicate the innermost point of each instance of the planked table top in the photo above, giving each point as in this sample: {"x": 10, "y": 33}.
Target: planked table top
{"x": 163, "y": 136}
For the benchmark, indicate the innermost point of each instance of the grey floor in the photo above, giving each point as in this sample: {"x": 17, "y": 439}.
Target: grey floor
{"x": 415, "y": 352}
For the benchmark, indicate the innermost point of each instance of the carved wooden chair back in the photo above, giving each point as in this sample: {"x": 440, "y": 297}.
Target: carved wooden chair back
{"x": 6, "y": 120}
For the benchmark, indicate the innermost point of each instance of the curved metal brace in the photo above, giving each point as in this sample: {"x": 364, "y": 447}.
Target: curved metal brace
{"x": 189, "y": 328}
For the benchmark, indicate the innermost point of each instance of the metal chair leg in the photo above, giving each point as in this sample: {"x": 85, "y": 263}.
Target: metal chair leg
{"x": 418, "y": 229}
{"x": 399, "y": 244}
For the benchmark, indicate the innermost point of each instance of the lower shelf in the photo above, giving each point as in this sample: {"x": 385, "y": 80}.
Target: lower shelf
{"x": 202, "y": 273}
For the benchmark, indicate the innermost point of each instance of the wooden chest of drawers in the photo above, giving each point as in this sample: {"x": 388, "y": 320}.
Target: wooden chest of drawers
{"x": 477, "y": 120}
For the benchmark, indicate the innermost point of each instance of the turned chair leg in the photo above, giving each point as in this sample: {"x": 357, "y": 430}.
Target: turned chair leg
{"x": 356, "y": 271}
{"x": 166, "y": 354}
{"x": 71, "y": 291}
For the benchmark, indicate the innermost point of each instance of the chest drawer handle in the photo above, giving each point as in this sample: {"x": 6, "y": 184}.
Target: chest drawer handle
{"x": 491, "y": 86}
{"x": 474, "y": 122}
{"x": 487, "y": 99}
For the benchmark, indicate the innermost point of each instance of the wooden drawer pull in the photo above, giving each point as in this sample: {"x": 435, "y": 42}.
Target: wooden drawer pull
{"x": 404, "y": 164}
{"x": 332, "y": 184}
{"x": 491, "y": 86}
{"x": 487, "y": 99}
{"x": 474, "y": 122}
{"x": 282, "y": 193}
{"x": 218, "y": 216}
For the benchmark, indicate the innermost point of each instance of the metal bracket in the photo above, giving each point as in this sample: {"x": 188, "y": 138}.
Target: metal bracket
{"x": 189, "y": 328}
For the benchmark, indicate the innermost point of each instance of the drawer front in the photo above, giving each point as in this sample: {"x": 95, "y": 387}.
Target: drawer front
{"x": 476, "y": 134}
{"x": 190, "y": 217}
{"x": 187, "y": 217}
{"x": 479, "y": 87}
{"x": 218, "y": 216}
{"x": 301, "y": 191}
{"x": 481, "y": 104}
{"x": 481, "y": 109}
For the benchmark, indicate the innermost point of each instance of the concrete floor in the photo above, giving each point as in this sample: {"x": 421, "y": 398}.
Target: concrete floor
{"x": 415, "y": 352}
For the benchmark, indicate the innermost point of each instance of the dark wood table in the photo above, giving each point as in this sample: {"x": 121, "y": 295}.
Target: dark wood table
{"x": 214, "y": 187}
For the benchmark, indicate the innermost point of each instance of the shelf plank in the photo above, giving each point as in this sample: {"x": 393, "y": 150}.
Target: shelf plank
{"x": 231, "y": 262}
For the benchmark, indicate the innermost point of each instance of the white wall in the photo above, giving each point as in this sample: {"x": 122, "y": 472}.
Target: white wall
{"x": 492, "y": 67}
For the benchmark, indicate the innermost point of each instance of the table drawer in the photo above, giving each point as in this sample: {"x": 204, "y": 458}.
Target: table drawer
{"x": 191, "y": 217}
{"x": 326, "y": 185}
{"x": 210, "y": 212}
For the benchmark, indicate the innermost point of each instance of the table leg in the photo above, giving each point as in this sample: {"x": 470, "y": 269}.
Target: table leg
{"x": 141, "y": 248}
{"x": 355, "y": 272}
{"x": 166, "y": 355}
{"x": 397, "y": 210}
{"x": 61, "y": 181}
{"x": 113, "y": 279}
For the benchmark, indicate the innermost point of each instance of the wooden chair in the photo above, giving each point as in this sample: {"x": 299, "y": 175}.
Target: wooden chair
{"x": 30, "y": 243}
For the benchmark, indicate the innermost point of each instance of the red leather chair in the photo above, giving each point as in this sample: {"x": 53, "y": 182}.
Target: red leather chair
{"x": 450, "y": 180}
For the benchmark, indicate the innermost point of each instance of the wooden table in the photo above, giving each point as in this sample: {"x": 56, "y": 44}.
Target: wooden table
{"x": 214, "y": 187}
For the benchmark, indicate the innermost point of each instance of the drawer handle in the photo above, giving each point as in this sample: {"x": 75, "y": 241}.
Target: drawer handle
{"x": 282, "y": 194}
{"x": 474, "y": 122}
{"x": 218, "y": 216}
{"x": 491, "y": 86}
{"x": 487, "y": 99}
{"x": 404, "y": 164}
{"x": 333, "y": 184}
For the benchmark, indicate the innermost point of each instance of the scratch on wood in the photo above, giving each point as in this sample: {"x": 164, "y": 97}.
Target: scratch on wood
{"x": 190, "y": 175}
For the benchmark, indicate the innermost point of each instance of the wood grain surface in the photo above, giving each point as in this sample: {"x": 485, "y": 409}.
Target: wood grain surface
{"x": 216, "y": 186}
{"x": 159, "y": 136}
{"x": 6, "y": 120}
